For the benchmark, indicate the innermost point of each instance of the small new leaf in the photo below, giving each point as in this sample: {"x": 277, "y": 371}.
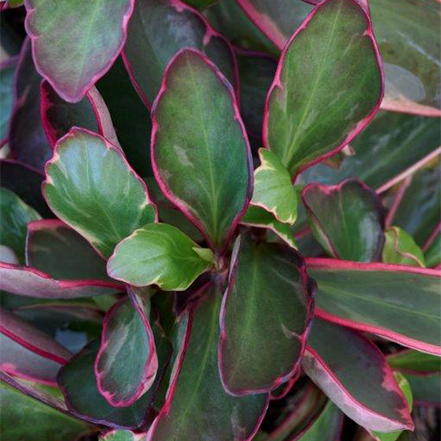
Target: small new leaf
{"x": 399, "y": 247}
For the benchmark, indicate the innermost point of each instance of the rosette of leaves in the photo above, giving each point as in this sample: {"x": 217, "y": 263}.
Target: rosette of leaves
{"x": 161, "y": 278}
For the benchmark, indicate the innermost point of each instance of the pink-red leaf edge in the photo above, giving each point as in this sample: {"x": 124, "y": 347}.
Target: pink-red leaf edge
{"x": 155, "y": 127}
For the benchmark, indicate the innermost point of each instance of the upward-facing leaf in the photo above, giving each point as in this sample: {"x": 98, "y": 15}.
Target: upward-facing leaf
{"x": 347, "y": 219}
{"x": 201, "y": 155}
{"x": 327, "y": 88}
{"x": 337, "y": 359}
{"x": 157, "y": 31}
{"x": 73, "y": 61}
{"x": 91, "y": 187}
{"x": 265, "y": 318}
{"x": 197, "y": 407}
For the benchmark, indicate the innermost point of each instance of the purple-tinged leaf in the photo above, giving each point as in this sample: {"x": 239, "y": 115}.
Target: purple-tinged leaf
{"x": 399, "y": 247}
{"x": 347, "y": 219}
{"x": 59, "y": 116}
{"x": 307, "y": 117}
{"x": 259, "y": 351}
{"x": 14, "y": 218}
{"x": 196, "y": 397}
{"x": 78, "y": 384}
{"x": 28, "y": 352}
{"x": 200, "y": 150}
{"x": 124, "y": 374}
{"x": 73, "y": 61}
{"x": 32, "y": 414}
{"x": 26, "y": 136}
{"x": 30, "y": 282}
{"x": 336, "y": 358}
{"x": 92, "y": 188}
{"x": 58, "y": 250}
{"x": 7, "y": 71}
{"x": 26, "y": 182}
{"x": 158, "y": 30}
{"x": 397, "y": 302}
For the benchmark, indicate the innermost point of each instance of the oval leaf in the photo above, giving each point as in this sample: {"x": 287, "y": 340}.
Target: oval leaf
{"x": 73, "y": 61}
{"x": 259, "y": 351}
{"x": 394, "y": 301}
{"x": 124, "y": 374}
{"x": 196, "y": 393}
{"x": 159, "y": 254}
{"x": 346, "y": 219}
{"x": 336, "y": 358}
{"x": 201, "y": 154}
{"x": 91, "y": 187}
{"x": 161, "y": 28}
{"x": 308, "y": 116}
{"x": 273, "y": 189}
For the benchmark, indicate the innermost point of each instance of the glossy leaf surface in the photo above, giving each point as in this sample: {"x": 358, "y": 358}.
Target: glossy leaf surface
{"x": 391, "y": 144}
{"x": 58, "y": 250}
{"x": 273, "y": 189}
{"x": 121, "y": 435}
{"x": 124, "y": 374}
{"x": 399, "y": 247}
{"x": 335, "y": 359}
{"x": 73, "y": 61}
{"x": 24, "y": 417}
{"x": 409, "y": 361}
{"x": 78, "y": 384}
{"x": 159, "y": 254}
{"x": 306, "y": 124}
{"x": 257, "y": 351}
{"x": 196, "y": 393}
{"x": 161, "y": 28}
{"x": 201, "y": 156}
{"x": 14, "y": 218}
{"x": 396, "y": 302}
{"x": 260, "y": 218}
{"x": 91, "y": 187}
{"x": 346, "y": 219}
{"x": 27, "y": 139}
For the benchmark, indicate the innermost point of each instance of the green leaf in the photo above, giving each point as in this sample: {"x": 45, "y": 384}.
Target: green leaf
{"x": 399, "y": 247}
{"x": 336, "y": 359}
{"x": 14, "y": 218}
{"x": 25, "y": 418}
{"x": 321, "y": 98}
{"x": 58, "y": 250}
{"x": 158, "y": 254}
{"x": 73, "y": 61}
{"x": 409, "y": 43}
{"x": 432, "y": 254}
{"x": 7, "y": 71}
{"x": 124, "y": 375}
{"x": 259, "y": 350}
{"x": 201, "y": 154}
{"x": 407, "y": 392}
{"x": 196, "y": 397}
{"x": 121, "y": 435}
{"x": 130, "y": 117}
{"x": 326, "y": 427}
{"x": 418, "y": 211}
{"x": 161, "y": 28}
{"x": 260, "y": 218}
{"x": 273, "y": 189}
{"x": 426, "y": 389}
{"x": 392, "y": 143}
{"x": 346, "y": 219}
{"x": 90, "y": 186}
{"x": 200, "y": 4}
{"x": 78, "y": 384}
{"x": 409, "y": 361}
{"x": 394, "y": 301}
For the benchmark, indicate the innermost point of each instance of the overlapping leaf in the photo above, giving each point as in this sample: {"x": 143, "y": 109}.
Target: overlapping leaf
{"x": 399, "y": 247}
{"x": 7, "y": 70}
{"x": 201, "y": 154}
{"x": 258, "y": 351}
{"x": 91, "y": 187}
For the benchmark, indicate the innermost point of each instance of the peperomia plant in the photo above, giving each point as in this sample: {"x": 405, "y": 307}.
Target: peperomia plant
{"x": 220, "y": 220}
